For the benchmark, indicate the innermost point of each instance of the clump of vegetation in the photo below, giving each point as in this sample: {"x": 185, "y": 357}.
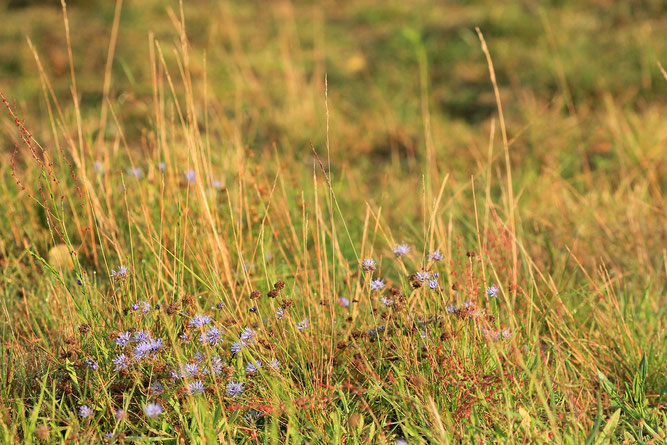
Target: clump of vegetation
{"x": 256, "y": 234}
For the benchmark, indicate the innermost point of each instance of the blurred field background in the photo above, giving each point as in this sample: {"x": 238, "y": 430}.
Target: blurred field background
{"x": 407, "y": 129}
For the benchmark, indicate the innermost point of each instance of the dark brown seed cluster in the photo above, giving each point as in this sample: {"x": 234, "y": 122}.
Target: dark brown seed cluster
{"x": 272, "y": 293}
{"x": 84, "y": 329}
{"x": 280, "y": 285}
{"x": 172, "y": 308}
{"x": 286, "y": 304}
{"x": 255, "y": 295}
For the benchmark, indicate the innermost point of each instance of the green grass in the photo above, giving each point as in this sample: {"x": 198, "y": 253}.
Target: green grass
{"x": 567, "y": 218}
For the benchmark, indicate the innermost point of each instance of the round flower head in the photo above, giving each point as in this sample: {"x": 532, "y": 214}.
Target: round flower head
{"x": 120, "y": 362}
{"x": 234, "y": 389}
{"x": 220, "y": 305}
{"x": 344, "y": 302}
{"x": 302, "y": 325}
{"x": 280, "y": 313}
{"x": 433, "y": 284}
{"x": 196, "y": 387}
{"x": 253, "y": 309}
{"x": 401, "y": 250}
{"x": 274, "y": 364}
{"x": 199, "y": 321}
{"x": 451, "y": 309}
{"x": 120, "y": 274}
{"x": 386, "y": 301}
{"x": 190, "y": 370}
{"x": 211, "y": 337}
{"x": 247, "y": 336}
{"x": 253, "y": 367}
{"x": 161, "y": 166}
{"x": 377, "y": 284}
{"x": 436, "y": 256}
{"x": 157, "y": 387}
{"x": 153, "y": 410}
{"x": 136, "y": 172}
{"x": 190, "y": 176}
{"x": 492, "y": 291}
{"x": 368, "y": 265}
{"x": 85, "y": 411}
{"x": 422, "y": 275}
{"x": 236, "y": 347}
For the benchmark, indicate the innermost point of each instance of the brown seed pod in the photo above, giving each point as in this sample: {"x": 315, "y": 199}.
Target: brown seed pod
{"x": 272, "y": 293}
{"x": 255, "y": 295}
{"x": 280, "y": 285}
{"x": 84, "y": 328}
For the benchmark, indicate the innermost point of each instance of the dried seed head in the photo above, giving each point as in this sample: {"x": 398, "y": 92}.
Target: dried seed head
{"x": 84, "y": 328}
{"x": 188, "y": 301}
{"x": 471, "y": 254}
{"x": 280, "y": 285}
{"x": 286, "y": 304}
{"x": 272, "y": 293}
{"x": 42, "y": 432}
{"x": 255, "y": 295}
{"x": 172, "y": 308}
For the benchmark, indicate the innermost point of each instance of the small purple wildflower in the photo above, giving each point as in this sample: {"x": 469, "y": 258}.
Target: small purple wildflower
{"x": 344, "y": 302}
{"x": 216, "y": 365}
{"x": 220, "y": 305}
{"x": 234, "y": 389}
{"x": 274, "y": 364}
{"x": 236, "y": 347}
{"x": 377, "y": 284}
{"x": 120, "y": 274}
{"x": 123, "y": 338}
{"x": 141, "y": 336}
{"x": 199, "y": 321}
{"x": 302, "y": 325}
{"x": 161, "y": 166}
{"x": 92, "y": 364}
{"x": 120, "y": 362}
{"x": 136, "y": 172}
{"x": 85, "y": 411}
{"x": 253, "y": 309}
{"x": 153, "y": 410}
{"x": 280, "y": 313}
{"x": 253, "y": 367}
{"x": 247, "y": 336}
{"x": 492, "y": 291}
{"x": 190, "y": 176}
{"x": 119, "y": 414}
{"x": 433, "y": 284}
{"x": 436, "y": 256}
{"x": 190, "y": 370}
{"x": 451, "y": 309}
{"x": 211, "y": 337}
{"x": 387, "y": 301}
{"x": 423, "y": 275}
{"x": 401, "y": 250}
{"x": 184, "y": 337}
{"x": 368, "y": 265}
{"x": 196, "y": 387}
{"x": 157, "y": 387}
{"x": 216, "y": 184}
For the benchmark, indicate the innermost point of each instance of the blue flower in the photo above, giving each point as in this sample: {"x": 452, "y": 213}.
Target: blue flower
{"x": 436, "y": 256}
{"x": 247, "y": 336}
{"x": 153, "y": 410}
{"x": 198, "y": 356}
{"x": 433, "y": 284}
{"x": 190, "y": 176}
{"x": 220, "y": 305}
{"x": 120, "y": 362}
{"x": 423, "y": 275}
{"x": 236, "y": 347}
{"x": 190, "y": 370}
{"x": 253, "y": 309}
{"x": 280, "y": 313}
{"x": 274, "y": 364}
{"x": 368, "y": 265}
{"x": 387, "y": 301}
{"x": 161, "y": 166}
{"x": 141, "y": 336}
{"x": 451, "y": 309}
{"x": 302, "y": 325}
{"x": 492, "y": 291}
{"x": 92, "y": 364}
{"x": 252, "y": 415}
{"x": 401, "y": 250}
{"x": 344, "y": 302}
{"x": 216, "y": 184}
{"x": 119, "y": 414}
{"x": 200, "y": 320}
{"x": 85, "y": 411}
{"x": 123, "y": 338}
{"x": 212, "y": 336}
{"x": 234, "y": 389}
{"x": 120, "y": 274}
{"x": 136, "y": 172}
{"x": 147, "y": 347}
{"x": 377, "y": 284}
{"x": 196, "y": 387}
{"x": 216, "y": 365}
{"x": 253, "y": 367}
{"x": 157, "y": 387}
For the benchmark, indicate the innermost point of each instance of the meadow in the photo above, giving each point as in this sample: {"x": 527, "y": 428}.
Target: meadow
{"x": 338, "y": 222}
